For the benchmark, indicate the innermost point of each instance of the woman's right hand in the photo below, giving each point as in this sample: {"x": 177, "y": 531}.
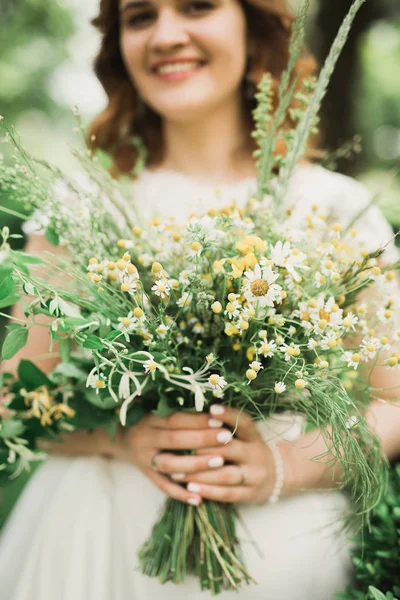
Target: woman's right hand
{"x": 150, "y": 446}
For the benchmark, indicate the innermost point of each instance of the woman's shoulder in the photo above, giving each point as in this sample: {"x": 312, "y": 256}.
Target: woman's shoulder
{"x": 329, "y": 189}
{"x": 343, "y": 199}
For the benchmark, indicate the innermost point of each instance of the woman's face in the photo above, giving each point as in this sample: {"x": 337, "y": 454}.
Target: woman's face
{"x": 185, "y": 57}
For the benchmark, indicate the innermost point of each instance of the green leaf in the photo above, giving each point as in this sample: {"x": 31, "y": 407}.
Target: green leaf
{"x": 15, "y": 340}
{"x": 31, "y": 376}
{"x": 164, "y": 409}
{"x": 71, "y": 322}
{"x": 7, "y": 287}
{"x": 65, "y": 349}
{"x": 376, "y": 594}
{"x": 27, "y": 259}
{"x": 102, "y": 400}
{"x": 92, "y": 342}
{"x": 9, "y": 300}
{"x": 11, "y": 428}
{"x": 52, "y": 236}
{"x": 112, "y": 335}
{"x": 71, "y": 371}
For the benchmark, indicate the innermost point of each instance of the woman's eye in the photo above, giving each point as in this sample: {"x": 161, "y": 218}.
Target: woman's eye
{"x": 139, "y": 19}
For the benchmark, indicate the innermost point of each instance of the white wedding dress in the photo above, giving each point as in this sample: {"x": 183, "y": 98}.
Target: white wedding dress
{"x": 76, "y": 530}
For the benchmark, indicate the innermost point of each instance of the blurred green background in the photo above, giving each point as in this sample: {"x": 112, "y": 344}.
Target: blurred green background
{"x": 47, "y": 48}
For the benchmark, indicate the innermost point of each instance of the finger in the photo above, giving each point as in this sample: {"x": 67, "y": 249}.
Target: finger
{"x": 180, "y": 420}
{"x": 227, "y": 475}
{"x": 240, "y": 421}
{"x": 236, "y": 451}
{"x": 173, "y": 490}
{"x": 238, "y": 493}
{"x": 186, "y": 439}
{"x": 171, "y": 463}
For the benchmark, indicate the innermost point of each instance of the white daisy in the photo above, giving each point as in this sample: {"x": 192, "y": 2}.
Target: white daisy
{"x": 369, "y": 348}
{"x": 280, "y": 387}
{"x": 260, "y": 287}
{"x": 286, "y": 257}
{"x": 161, "y": 288}
{"x": 217, "y": 382}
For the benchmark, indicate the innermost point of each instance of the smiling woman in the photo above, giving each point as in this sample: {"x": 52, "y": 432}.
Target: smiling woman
{"x": 232, "y": 44}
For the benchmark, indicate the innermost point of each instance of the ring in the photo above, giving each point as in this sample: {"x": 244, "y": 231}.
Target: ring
{"x": 243, "y": 473}
{"x": 153, "y": 461}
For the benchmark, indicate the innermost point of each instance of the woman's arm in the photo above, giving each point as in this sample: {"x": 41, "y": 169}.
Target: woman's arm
{"x": 37, "y": 347}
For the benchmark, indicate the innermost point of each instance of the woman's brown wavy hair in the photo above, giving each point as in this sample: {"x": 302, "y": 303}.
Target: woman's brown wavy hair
{"x": 269, "y": 25}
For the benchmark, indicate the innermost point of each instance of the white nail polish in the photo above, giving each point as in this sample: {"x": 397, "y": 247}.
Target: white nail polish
{"x": 217, "y": 409}
{"x": 178, "y": 476}
{"x": 194, "y": 501}
{"x": 224, "y": 436}
{"x": 193, "y": 487}
{"x": 215, "y": 423}
{"x": 216, "y": 461}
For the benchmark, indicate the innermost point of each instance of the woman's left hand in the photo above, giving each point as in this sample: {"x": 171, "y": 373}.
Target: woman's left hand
{"x": 251, "y": 477}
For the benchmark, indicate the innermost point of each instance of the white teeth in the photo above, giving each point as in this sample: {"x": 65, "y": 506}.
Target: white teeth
{"x": 177, "y": 67}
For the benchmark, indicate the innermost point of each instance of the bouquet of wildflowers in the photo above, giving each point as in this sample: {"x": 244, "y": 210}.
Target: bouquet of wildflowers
{"x": 233, "y": 307}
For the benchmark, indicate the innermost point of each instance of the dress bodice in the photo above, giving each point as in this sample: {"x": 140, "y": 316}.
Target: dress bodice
{"x": 170, "y": 193}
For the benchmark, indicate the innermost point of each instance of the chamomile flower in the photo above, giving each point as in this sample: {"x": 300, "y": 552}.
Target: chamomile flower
{"x": 217, "y": 382}
{"x": 162, "y": 330}
{"x": 290, "y": 351}
{"x": 96, "y": 380}
{"x": 353, "y": 359}
{"x": 161, "y": 288}
{"x": 350, "y": 321}
{"x": 267, "y": 348}
{"x": 150, "y": 366}
{"x": 283, "y": 255}
{"x": 260, "y": 288}
{"x": 369, "y": 348}
{"x": 127, "y": 324}
{"x": 280, "y": 387}
{"x": 185, "y": 300}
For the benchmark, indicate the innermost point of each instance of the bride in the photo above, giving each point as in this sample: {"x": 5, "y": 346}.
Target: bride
{"x": 181, "y": 74}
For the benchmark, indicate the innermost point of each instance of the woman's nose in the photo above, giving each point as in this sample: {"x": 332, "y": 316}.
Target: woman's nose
{"x": 169, "y": 31}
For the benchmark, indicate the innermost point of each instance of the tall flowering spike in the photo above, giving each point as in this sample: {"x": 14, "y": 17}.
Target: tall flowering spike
{"x": 262, "y": 114}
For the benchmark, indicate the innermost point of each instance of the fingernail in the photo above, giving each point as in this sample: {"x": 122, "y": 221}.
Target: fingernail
{"x": 194, "y": 501}
{"x": 224, "y": 436}
{"x": 215, "y": 423}
{"x": 178, "y": 476}
{"x": 193, "y": 487}
{"x": 217, "y": 409}
{"x": 216, "y": 461}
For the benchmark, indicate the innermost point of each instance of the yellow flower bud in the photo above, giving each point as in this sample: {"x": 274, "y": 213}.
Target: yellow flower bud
{"x": 137, "y": 231}
{"x": 121, "y": 244}
{"x": 300, "y": 384}
{"x": 216, "y": 307}
{"x": 156, "y": 267}
{"x": 138, "y": 313}
{"x": 251, "y": 374}
{"x": 121, "y": 265}
{"x": 125, "y": 287}
{"x": 93, "y": 261}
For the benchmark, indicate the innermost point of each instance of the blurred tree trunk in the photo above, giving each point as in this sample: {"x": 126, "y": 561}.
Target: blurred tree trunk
{"x": 340, "y": 104}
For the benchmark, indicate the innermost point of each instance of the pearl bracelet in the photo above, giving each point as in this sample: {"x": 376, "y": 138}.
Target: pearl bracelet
{"x": 279, "y": 473}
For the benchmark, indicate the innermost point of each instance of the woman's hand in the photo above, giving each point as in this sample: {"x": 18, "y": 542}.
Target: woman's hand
{"x": 150, "y": 446}
{"x": 248, "y": 475}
